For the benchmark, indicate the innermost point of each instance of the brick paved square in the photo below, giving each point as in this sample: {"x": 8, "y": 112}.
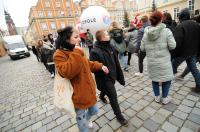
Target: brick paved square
{"x": 193, "y": 98}
{"x": 196, "y": 111}
{"x": 183, "y": 129}
{"x": 164, "y": 112}
{"x": 142, "y": 129}
{"x": 110, "y": 115}
{"x": 188, "y": 102}
{"x": 114, "y": 124}
{"x": 106, "y": 128}
{"x": 191, "y": 125}
{"x": 125, "y": 104}
{"x": 129, "y": 128}
{"x": 194, "y": 118}
{"x": 149, "y": 110}
{"x": 158, "y": 118}
{"x": 136, "y": 122}
{"x": 143, "y": 102}
{"x": 148, "y": 98}
{"x": 168, "y": 127}
{"x": 143, "y": 115}
{"x": 155, "y": 105}
{"x": 131, "y": 100}
{"x": 42, "y": 129}
{"x": 137, "y": 107}
{"x": 74, "y": 128}
{"x": 151, "y": 125}
{"x": 102, "y": 121}
{"x": 198, "y": 104}
{"x": 180, "y": 114}
{"x": 36, "y": 125}
{"x": 170, "y": 107}
{"x": 176, "y": 121}
{"x": 185, "y": 109}
{"x": 130, "y": 112}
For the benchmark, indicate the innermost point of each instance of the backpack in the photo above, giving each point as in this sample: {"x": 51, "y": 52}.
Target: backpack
{"x": 117, "y": 35}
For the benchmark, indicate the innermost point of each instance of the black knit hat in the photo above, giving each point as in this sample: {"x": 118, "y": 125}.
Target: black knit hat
{"x": 184, "y": 14}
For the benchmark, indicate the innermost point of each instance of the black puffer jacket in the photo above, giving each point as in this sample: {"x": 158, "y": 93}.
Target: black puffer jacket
{"x": 187, "y": 36}
{"x": 104, "y": 53}
{"x": 171, "y": 25}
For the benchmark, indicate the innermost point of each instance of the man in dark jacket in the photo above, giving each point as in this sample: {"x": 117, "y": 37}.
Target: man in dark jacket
{"x": 187, "y": 38}
{"x": 89, "y": 39}
{"x": 141, "y": 55}
{"x": 104, "y": 53}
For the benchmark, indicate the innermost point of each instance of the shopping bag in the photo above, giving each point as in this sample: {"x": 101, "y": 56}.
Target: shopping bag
{"x": 63, "y": 92}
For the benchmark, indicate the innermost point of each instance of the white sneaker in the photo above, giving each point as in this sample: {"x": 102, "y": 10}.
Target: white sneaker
{"x": 90, "y": 124}
{"x": 52, "y": 75}
{"x": 157, "y": 99}
{"x": 166, "y": 100}
{"x": 138, "y": 74}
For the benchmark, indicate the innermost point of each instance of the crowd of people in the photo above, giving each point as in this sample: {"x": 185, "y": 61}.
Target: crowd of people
{"x": 44, "y": 50}
{"x": 164, "y": 43}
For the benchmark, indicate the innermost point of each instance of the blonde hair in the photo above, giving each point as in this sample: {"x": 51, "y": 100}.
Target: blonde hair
{"x": 99, "y": 34}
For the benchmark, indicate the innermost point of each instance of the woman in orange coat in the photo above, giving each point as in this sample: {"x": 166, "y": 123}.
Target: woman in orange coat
{"x": 71, "y": 63}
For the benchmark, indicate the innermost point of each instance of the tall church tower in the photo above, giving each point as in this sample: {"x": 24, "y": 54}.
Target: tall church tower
{"x": 10, "y": 24}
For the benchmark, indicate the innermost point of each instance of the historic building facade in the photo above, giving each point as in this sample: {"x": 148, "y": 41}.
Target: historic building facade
{"x": 49, "y": 15}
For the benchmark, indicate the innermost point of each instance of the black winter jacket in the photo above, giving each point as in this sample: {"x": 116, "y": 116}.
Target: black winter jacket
{"x": 104, "y": 53}
{"x": 187, "y": 36}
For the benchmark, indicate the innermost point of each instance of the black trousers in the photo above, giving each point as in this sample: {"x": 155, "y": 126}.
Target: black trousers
{"x": 110, "y": 91}
{"x": 90, "y": 48}
{"x": 129, "y": 57}
{"x": 51, "y": 69}
{"x": 141, "y": 56}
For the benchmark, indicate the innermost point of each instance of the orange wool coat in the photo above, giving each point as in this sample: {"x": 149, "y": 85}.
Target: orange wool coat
{"x": 76, "y": 67}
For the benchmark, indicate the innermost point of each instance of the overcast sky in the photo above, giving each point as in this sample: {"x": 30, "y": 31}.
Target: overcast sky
{"x": 18, "y": 9}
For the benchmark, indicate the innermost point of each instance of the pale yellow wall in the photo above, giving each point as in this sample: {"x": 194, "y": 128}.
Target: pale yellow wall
{"x": 168, "y": 6}
{"x": 197, "y": 4}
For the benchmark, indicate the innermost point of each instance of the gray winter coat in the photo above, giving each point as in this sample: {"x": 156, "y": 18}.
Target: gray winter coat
{"x": 157, "y": 41}
{"x": 131, "y": 39}
{"x": 119, "y": 47}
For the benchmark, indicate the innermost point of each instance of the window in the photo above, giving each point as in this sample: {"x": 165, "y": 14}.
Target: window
{"x": 61, "y": 13}
{"x": 49, "y": 14}
{"x": 71, "y": 23}
{"x": 62, "y": 24}
{"x": 176, "y": 12}
{"x": 44, "y": 26}
{"x": 191, "y": 5}
{"x": 165, "y": 1}
{"x": 40, "y": 14}
{"x": 47, "y": 3}
{"x": 57, "y": 4}
{"x": 69, "y": 12}
{"x": 53, "y": 25}
{"x": 67, "y": 3}
{"x": 76, "y": 13}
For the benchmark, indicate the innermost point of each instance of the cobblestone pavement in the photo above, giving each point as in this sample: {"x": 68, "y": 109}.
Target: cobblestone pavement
{"x": 26, "y": 103}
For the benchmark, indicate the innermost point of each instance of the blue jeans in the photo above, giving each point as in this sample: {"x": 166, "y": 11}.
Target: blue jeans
{"x": 165, "y": 88}
{"x": 123, "y": 60}
{"x": 82, "y": 117}
{"x": 191, "y": 63}
{"x": 187, "y": 70}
